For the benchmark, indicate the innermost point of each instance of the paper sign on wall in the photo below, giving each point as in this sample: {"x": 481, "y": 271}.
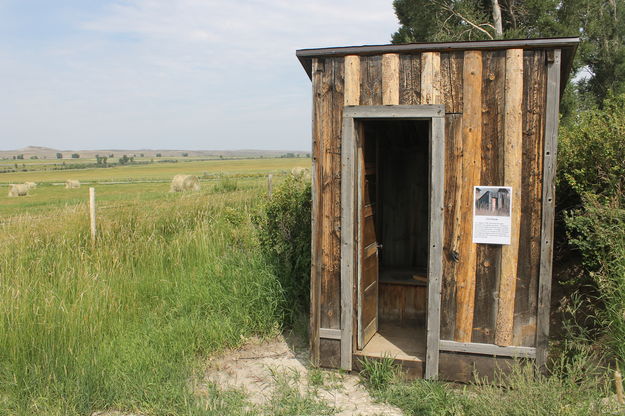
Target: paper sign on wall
{"x": 492, "y": 206}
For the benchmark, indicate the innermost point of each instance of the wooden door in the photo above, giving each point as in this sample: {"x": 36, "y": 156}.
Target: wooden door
{"x": 368, "y": 247}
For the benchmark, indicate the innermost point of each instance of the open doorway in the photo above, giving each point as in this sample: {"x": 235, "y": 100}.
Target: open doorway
{"x": 394, "y": 216}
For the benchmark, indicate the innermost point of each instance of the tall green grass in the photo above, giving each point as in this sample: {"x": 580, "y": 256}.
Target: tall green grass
{"x": 121, "y": 325}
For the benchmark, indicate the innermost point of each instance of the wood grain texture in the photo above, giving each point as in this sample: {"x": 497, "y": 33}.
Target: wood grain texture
{"x": 548, "y": 207}
{"x": 316, "y": 258}
{"x": 488, "y": 349}
{"x": 468, "y": 368}
{"x": 400, "y": 303}
{"x": 390, "y": 79}
{"x": 330, "y": 96}
{"x": 513, "y": 157}
{"x": 371, "y": 80}
{"x": 471, "y": 170}
{"x": 410, "y": 79}
{"x": 329, "y": 353}
{"x": 436, "y": 235}
{"x": 352, "y": 80}
{"x": 453, "y": 192}
{"x": 489, "y": 255}
{"x": 534, "y": 89}
{"x": 430, "y": 78}
{"x": 451, "y": 81}
{"x": 348, "y": 164}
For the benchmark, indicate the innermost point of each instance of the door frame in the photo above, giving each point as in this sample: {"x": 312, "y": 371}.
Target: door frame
{"x": 350, "y": 222}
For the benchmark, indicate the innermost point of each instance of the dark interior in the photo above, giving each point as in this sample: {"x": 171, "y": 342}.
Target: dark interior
{"x": 401, "y": 192}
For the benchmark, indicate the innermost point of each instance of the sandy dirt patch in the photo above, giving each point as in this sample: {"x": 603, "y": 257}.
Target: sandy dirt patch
{"x": 258, "y": 367}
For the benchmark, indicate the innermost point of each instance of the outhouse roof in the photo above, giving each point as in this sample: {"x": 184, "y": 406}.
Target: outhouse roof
{"x": 567, "y": 45}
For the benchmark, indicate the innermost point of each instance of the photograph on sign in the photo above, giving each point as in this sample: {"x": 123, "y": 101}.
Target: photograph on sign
{"x": 492, "y": 207}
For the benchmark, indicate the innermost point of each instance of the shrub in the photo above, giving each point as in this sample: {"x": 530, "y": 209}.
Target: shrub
{"x": 592, "y": 184}
{"x": 283, "y": 225}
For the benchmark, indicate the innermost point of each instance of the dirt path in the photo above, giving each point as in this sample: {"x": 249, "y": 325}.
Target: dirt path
{"x": 261, "y": 368}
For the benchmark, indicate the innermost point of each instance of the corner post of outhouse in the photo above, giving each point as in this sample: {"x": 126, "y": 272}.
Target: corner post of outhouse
{"x": 548, "y": 205}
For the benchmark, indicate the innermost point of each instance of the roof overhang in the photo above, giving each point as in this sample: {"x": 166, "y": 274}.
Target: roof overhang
{"x": 567, "y": 45}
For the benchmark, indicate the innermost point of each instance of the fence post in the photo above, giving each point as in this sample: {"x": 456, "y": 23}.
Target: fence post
{"x": 269, "y": 185}
{"x": 92, "y": 214}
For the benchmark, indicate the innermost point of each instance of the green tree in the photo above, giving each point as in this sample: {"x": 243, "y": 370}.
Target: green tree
{"x": 59, "y": 155}
{"x": 599, "y": 24}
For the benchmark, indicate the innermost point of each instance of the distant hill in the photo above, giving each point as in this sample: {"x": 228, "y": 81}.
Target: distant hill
{"x": 49, "y": 153}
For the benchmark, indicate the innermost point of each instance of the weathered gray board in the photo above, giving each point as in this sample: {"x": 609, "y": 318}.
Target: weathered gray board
{"x": 436, "y": 114}
{"x": 548, "y": 208}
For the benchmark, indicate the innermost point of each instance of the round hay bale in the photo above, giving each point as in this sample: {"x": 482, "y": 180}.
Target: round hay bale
{"x": 182, "y": 183}
{"x": 72, "y": 184}
{"x": 299, "y": 171}
{"x": 18, "y": 190}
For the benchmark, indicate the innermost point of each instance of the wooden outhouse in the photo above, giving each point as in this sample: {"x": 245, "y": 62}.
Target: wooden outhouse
{"x": 433, "y": 202}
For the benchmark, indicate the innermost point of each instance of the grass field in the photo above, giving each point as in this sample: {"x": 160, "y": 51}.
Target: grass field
{"x": 123, "y": 324}
{"x": 132, "y": 183}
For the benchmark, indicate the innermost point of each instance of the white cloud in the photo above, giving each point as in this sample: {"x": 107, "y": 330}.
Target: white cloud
{"x": 184, "y": 73}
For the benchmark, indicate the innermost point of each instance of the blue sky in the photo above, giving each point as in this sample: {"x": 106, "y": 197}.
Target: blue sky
{"x": 195, "y": 74}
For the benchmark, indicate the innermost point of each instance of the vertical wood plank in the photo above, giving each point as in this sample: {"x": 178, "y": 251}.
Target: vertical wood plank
{"x": 489, "y": 255}
{"x": 371, "y": 80}
{"x": 330, "y": 125}
{"x": 453, "y": 193}
{"x": 549, "y": 199}
{"x": 451, "y": 81}
{"x": 316, "y": 220}
{"x": 471, "y": 166}
{"x": 451, "y": 91}
{"x": 347, "y": 240}
{"x": 352, "y": 80}
{"x": 410, "y": 79}
{"x": 435, "y": 261}
{"x": 526, "y": 301}
{"x": 390, "y": 79}
{"x": 513, "y": 156}
{"x": 430, "y": 78}
{"x": 329, "y": 302}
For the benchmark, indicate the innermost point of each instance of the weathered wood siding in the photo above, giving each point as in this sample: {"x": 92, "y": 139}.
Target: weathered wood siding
{"x": 472, "y": 86}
